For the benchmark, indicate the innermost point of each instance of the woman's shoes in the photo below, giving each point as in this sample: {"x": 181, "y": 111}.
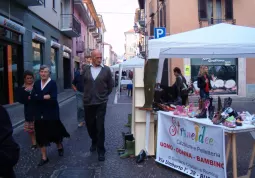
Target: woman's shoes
{"x": 43, "y": 162}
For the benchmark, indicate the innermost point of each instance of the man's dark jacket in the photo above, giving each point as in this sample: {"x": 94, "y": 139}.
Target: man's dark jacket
{"x": 9, "y": 149}
{"x": 97, "y": 91}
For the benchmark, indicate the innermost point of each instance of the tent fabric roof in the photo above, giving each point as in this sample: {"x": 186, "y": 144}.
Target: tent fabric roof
{"x": 221, "y": 40}
{"x": 133, "y": 62}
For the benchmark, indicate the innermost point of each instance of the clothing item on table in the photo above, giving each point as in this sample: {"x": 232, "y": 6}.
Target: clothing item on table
{"x": 49, "y": 131}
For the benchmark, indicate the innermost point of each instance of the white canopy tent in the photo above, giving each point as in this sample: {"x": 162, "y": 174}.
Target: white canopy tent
{"x": 221, "y": 40}
{"x": 217, "y": 41}
{"x": 135, "y": 62}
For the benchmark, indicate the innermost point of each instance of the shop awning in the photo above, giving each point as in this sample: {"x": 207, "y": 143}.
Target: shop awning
{"x": 221, "y": 40}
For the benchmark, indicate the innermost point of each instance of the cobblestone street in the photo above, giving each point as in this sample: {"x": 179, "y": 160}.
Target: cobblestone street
{"x": 79, "y": 162}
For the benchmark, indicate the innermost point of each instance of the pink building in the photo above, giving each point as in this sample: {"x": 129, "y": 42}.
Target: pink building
{"x": 80, "y": 47}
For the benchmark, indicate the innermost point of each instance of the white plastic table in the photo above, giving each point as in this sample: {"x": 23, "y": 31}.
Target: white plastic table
{"x": 231, "y": 132}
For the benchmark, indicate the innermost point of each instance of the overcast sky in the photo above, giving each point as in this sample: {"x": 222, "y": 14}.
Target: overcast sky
{"x": 116, "y": 24}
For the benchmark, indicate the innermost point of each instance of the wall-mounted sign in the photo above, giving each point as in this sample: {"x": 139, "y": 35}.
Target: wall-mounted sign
{"x": 213, "y": 61}
{"x": 12, "y": 25}
{"x": 187, "y": 70}
{"x": 55, "y": 44}
{"x": 38, "y": 37}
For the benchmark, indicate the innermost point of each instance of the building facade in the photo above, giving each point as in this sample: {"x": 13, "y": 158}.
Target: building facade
{"x": 108, "y": 54}
{"x": 198, "y": 14}
{"x": 27, "y": 40}
{"x": 131, "y": 44}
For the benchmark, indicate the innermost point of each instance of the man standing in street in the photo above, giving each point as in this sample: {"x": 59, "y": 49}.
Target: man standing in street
{"x": 98, "y": 85}
{"x": 78, "y": 87}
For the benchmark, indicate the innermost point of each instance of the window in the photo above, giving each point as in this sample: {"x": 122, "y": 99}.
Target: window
{"x": 53, "y": 64}
{"x": 229, "y": 9}
{"x": 53, "y": 4}
{"x": 224, "y": 72}
{"x": 37, "y": 58}
{"x": 202, "y": 9}
{"x": 152, "y": 26}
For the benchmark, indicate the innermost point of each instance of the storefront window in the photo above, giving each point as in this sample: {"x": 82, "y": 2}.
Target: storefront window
{"x": 53, "y": 59}
{"x": 224, "y": 74}
{"x": 37, "y": 58}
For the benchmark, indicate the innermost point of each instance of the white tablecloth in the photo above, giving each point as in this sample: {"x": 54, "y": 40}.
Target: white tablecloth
{"x": 126, "y": 82}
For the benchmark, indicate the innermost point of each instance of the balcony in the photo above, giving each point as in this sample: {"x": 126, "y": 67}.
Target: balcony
{"x": 209, "y": 22}
{"x": 95, "y": 34}
{"x": 80, "y": 46}
{"x": 70, "y": 25}
{"x": 83, "y": 10}
{"x": 99, "y": 39}
{"x": 28, "y": 3}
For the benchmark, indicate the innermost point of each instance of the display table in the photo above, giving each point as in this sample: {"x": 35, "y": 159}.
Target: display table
{"x": 126, "y": 82}
{"x": 176, "y": 132}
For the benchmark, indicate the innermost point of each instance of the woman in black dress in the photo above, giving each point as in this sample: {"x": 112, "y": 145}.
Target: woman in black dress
{"x": 48, "y": 127}
{"x": 24, "y": 97}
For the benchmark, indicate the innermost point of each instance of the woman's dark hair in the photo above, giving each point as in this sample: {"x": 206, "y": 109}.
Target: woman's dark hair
{"x": 28, "y": 73}
{"x": 177, "y": 70}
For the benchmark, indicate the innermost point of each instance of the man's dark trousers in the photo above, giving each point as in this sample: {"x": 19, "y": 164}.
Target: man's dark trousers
{"x": 95, "y": 117}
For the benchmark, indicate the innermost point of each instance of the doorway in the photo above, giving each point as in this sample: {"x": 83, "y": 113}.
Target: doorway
{"x": 3, "y": 75}
{"x": 67, "y": 73}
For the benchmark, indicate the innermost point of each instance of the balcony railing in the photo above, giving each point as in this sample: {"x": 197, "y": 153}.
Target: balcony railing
{"x": 80, "y": 46}
{"x": 209, "y": 22}
{"x": 95, "y": 34}
{"x": 28, "y": 3}
{"x": 70, "y": 25}
{"x": 99, "y": 39}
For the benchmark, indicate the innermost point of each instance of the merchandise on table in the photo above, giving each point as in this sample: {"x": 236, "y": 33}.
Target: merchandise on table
{"x": 224, "y": 115}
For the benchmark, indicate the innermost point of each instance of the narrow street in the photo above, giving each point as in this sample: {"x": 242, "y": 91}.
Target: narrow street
{"x": 79, "y": 162}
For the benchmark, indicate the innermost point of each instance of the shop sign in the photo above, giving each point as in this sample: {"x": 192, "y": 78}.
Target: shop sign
{"x": 187, "y": 70}
{"x": 191, "y": 148}
{"x": 213, "y": 61}
{"x": 12, "y": 25}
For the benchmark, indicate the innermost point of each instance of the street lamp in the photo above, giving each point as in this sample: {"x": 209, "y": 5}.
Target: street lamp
{"x": 136, "y": 28}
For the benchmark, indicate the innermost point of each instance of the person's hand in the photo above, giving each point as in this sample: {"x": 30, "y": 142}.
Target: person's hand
{"x": 29, "y": 97}
{"x": 46, "y": 97}
{"x": 206, "y": 81}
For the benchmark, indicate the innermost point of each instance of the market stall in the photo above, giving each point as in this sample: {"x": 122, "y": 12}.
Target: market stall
{"x": 135, "y": 62}
{"x": 222, "y": 40}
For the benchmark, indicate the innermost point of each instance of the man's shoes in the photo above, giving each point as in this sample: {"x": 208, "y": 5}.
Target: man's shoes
{"x": 93, "y": 148}
{"x": 101, "y": 156}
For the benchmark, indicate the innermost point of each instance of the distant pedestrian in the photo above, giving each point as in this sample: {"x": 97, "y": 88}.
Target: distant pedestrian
{"x": 24, "y": 97}
{"x": 78, "y": 86}
{"x": 98, "y": 85}
{"x": 48, "y": 127}
{"x": 9, "y": 149}
{"x": 203, "y": 82}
